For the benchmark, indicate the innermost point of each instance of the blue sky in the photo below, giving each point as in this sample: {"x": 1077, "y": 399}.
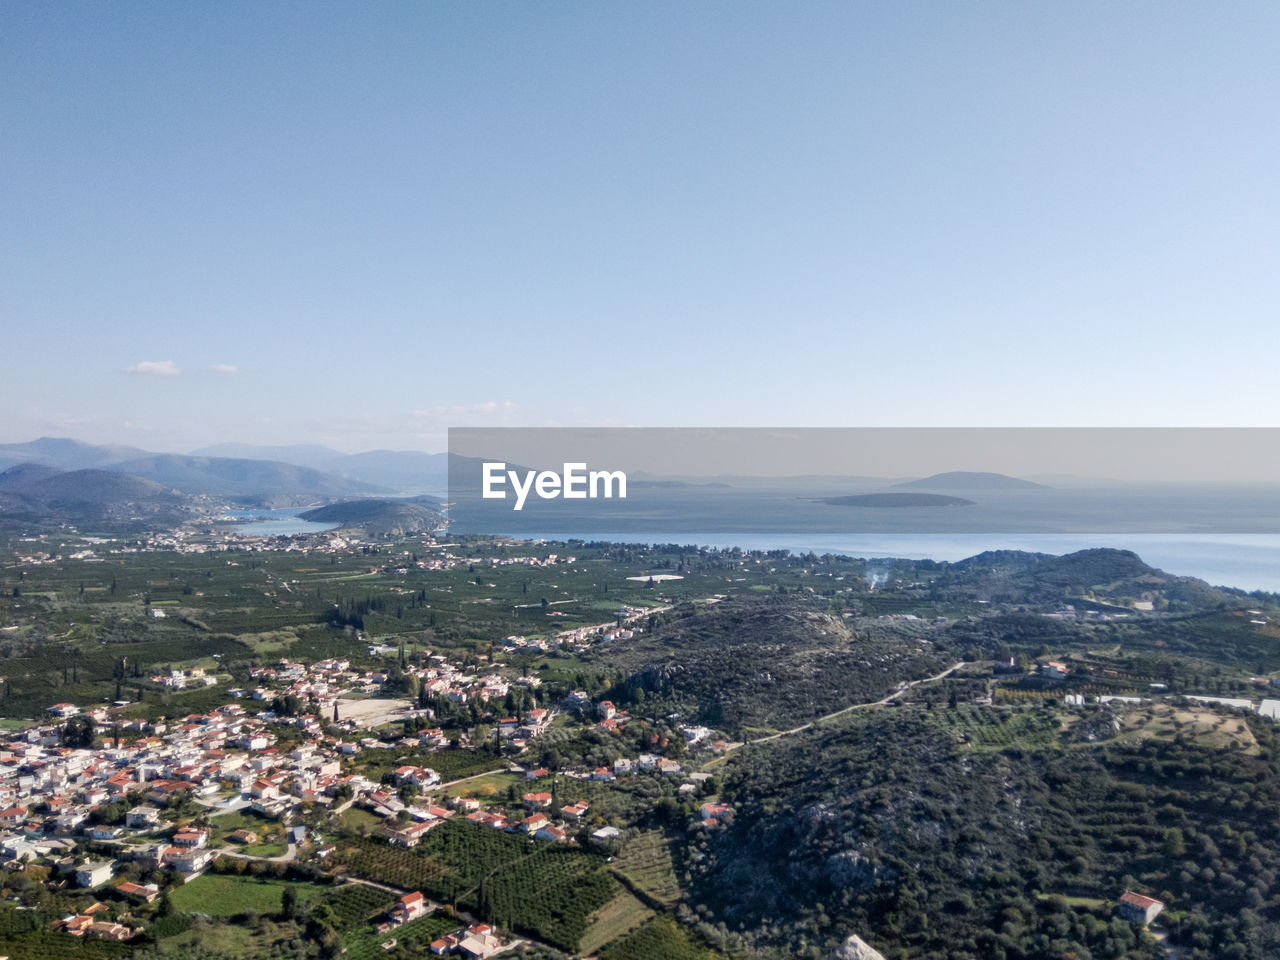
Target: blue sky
{"x": 362, "y": 224}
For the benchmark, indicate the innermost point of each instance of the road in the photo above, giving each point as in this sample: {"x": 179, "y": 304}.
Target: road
{"x": 474, "y": 776}
{"x": 647, "y": 612}
{"x": 884, "y": 701}
{"x": 290, "y": 853}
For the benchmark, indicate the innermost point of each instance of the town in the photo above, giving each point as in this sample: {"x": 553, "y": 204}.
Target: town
{"x": 405, "y": 747}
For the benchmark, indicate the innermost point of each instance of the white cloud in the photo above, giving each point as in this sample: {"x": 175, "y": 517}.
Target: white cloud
{"x": 225, "y": 368}
{"x": 158, "y": 368}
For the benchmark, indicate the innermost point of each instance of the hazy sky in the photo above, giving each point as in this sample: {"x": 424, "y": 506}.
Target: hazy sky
{"x": 360, "y": 224}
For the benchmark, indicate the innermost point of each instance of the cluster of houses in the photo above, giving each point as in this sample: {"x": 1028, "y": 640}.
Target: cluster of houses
{"x": 536, "y": 821}
{"x": 710, "y": 813}
{"x": 181, "y": 679}
{"x": 49, "y": 793}
{"x": 452, "y": 561}
{"x": 579, "y": 639}
{"x": 323, "y": 684}
{"x": 477, "y": 940}
{"x": 89, "y": 925}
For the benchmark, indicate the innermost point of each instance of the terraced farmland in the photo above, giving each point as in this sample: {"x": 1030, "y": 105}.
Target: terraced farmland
{"x": 646, "y": 863}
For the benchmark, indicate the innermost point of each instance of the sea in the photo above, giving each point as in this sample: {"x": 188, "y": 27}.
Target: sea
{"x": 1224, "y": 534}
{"x": 275, "y": 523}
{"x": 1245, "y": 561}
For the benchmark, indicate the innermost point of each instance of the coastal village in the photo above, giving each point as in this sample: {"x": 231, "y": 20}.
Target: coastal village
{"x": 350, "y": 773}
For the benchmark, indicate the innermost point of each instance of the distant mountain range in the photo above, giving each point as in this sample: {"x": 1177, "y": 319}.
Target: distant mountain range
{"x": 65, "y": 454}
{"x": 38, "y": 495}
{"x": 58, "y": 480}
{"x": 61, "y": 479}
{"x": 243, "y": 469}
{"x": 236, "y": 469}
{"x": 403, "y": 471}
{"x": 266, "y": 480}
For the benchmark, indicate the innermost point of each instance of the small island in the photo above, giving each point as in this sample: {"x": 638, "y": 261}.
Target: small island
{"x": 380, "y": 517}
{"x": 897, "y": 500}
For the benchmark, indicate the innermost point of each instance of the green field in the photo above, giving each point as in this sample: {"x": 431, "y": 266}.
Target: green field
{"x": 999, "y": 727}
{"x": 364, "y": 942}
{"x": 82, "y": 626}
{"x": 646, "y": 863}
{"x": 271, "y": 835}
{"x": 230, "y": 895}
{"x": 616, "y": 918}
{"x": 659, "y": 937}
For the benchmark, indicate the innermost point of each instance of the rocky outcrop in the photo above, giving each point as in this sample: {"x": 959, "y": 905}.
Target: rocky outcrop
{"x": 855, "y": 948}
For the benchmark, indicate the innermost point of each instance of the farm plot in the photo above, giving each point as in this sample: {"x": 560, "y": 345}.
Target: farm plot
{"x": 354, "y": 903}
{"x": 550, "y": 895}
{"x": 616, "y": 918}
{"x": 364, "y": 942}
{"x": 231, "y": 895}
{"x": 994, "y": 728}
{"x": 659, "y": 937}
{"x": 376, "y": 860}
{"x": 646, "y": 863}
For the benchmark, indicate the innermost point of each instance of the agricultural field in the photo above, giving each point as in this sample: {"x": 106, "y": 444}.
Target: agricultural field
{"x": 449, "y": 864}
{"x": 995, "y": 728}
{"x": 353, "y": 903}
{"x": 231, "y": 895}
{"x": 1166, "y": 722}
{"x": 659, "y": 937}
{"x": 450, "y": 764}
{"x": 358, "y": 820}
{"x": 615, "y": 919}
{"x": 364, "y": 942}
{"x": 377, "y": 860}
{"x": 551, "y": 895}
{"x": 646, "y": 863}
{"x": 85, "y": 632}
{"x": 531, "y": 886}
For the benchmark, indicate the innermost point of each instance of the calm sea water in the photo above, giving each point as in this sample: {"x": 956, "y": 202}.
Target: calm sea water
{"x": 276, "y": 523}
{"x": 1241, "y": 560}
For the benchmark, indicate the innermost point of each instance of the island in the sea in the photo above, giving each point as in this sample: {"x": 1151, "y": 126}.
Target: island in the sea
{"x": 897, "y": 500}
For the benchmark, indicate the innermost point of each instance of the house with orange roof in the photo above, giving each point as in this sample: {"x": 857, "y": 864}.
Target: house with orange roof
{"x": 409, "y": 907}
{"x": 1140, "y": 909}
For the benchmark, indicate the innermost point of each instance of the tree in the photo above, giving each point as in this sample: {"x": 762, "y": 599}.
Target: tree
{"x": 78, "y": 733}
{"x": 288, "y": 903}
